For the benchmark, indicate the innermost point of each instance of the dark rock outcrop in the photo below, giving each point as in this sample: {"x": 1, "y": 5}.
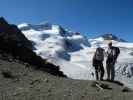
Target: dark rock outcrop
{"x": 12, "y": 41}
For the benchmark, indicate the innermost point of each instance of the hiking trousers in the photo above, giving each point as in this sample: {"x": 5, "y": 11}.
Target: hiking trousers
{"x": 99, "y": 69}
{"x": 110, "y": 70}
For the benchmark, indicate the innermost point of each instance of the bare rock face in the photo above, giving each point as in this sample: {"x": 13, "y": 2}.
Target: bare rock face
{"x": 12, "y": 41}
{"x": 10, "y": 33}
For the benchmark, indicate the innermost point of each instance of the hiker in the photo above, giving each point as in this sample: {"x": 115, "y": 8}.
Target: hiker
{"x": 112, "y": 55}
{"x": 98, "y": 63}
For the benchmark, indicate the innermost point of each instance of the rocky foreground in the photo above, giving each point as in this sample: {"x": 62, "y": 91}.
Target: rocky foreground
{"x": 20, "y": 81}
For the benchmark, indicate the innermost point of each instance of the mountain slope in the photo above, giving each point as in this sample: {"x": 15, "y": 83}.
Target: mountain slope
{"x": 26, "y": 83}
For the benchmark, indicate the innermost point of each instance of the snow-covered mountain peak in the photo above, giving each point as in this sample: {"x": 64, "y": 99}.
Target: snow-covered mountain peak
{"x": 110, "y": 36}
{"x": 54, "y": 38}
{"x": 42, "y": 26}
{"x": 104, "y": 39}
{"x": 23, "y": 25}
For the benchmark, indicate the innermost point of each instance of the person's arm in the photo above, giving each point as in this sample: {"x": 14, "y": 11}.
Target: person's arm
{"x": 93, "y": 60}
{"x": 118, "y": 52}
{"x": 106, "y": 53}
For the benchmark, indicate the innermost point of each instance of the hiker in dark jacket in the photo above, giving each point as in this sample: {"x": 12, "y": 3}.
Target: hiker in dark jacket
{"x": 112, "y": 55}
{"x": 98, "y": 63}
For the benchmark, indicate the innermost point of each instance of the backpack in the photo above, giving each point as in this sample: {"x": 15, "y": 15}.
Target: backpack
{"x": 99, "y": 54}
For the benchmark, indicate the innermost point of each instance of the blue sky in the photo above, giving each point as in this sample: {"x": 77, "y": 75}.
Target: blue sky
{"x": 90, "y": 17}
